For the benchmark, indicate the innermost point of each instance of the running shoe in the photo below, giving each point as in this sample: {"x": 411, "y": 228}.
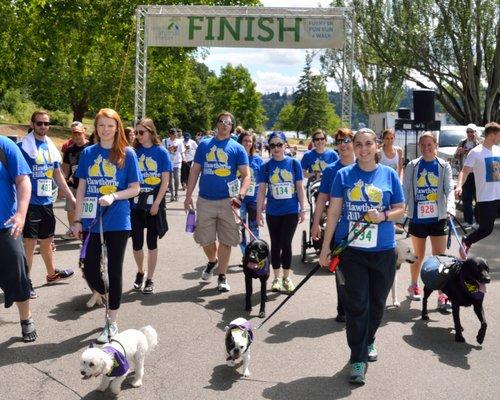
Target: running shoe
{"x": 60, "y": 275}
{"x": 277, "y": 285}
{"x": 444, "y": 304}
{"x": 222, "y": 285}
{"x": 209, "y": 270}
{"x": 288, "y": 286}
{"x": 108, "y": 332}
{"x": 414, "y": 292}
{"x": 372, "y": 352}
{"x": 139, "y": 279}
{"x": 149, "y": 287}
{"x": 357, "y": 375}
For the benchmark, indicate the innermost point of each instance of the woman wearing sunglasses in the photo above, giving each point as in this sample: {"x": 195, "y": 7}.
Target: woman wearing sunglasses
{"x": 148, "y": 208}
{"x": 343, "y": 141}
{"x": 364, "y": 195}
{"x": 281, "y": 177}
{"x": 315, "y": 160}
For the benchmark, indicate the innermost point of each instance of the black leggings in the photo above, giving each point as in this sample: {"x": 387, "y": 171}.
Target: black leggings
{"x": 140, "y": 220}
{"x": 487, "y": 212}
{"x": 116, "y": 242}
{"x": 281, "y": 229}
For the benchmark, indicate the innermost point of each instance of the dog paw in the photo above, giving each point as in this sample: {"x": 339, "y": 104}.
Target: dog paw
{"x": 137, "y": 383}
{"x": 248, "y": 308}
{"x": 480, "y": 335}
{"x": 102, "y": 388}
{"x": 459, "y": 338}
{"x": 262, "y": 314}
{"x": 246, "y": 373}
{"x": 231, "y": 363}
{"x": 425, "y": 317}
{"x": 396, "y": 303}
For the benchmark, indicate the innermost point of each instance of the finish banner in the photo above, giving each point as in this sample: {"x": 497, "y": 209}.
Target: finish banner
{"x": 300, "y": 32}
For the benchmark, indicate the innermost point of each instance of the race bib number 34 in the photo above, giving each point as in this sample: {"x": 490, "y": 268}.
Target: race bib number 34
{"x": 366, "y": 239}
{"x": 282, "y": 190}
{"x": 427, "y": 209}
{"x": 89, "y": 207}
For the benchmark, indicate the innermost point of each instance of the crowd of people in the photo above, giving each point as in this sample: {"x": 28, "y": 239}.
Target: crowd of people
{"x": 116, "y": 182}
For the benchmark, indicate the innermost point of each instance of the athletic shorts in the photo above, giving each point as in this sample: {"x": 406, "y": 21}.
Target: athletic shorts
{"x": 215, "y": 221}
{"x": 40, "y": 222}
{"x": 13, "y": 280}
{"x": 439, "y": 228}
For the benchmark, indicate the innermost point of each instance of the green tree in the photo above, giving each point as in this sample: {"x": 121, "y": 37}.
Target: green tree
{"x": 235, "y": 91}
{"x": 288, "y": 118}
{"x": 312, "y": 104}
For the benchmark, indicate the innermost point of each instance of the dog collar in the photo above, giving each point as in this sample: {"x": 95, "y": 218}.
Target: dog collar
{"x": 120, "y": 363}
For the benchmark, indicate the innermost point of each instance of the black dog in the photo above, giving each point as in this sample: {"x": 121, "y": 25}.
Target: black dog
{"x": 465, "y": 287}
{"x": 256, "y": 266}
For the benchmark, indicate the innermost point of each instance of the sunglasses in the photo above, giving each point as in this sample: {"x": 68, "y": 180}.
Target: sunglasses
{"x": 226, "y": 122}
{"x": 140, "y": 133}
{"x": 42, "y": 123}
{"x": 274, "y": 145}
{"x": 318, "y": 139}
{"x": 346, "y": 140}
{"x": 469, "y": 131}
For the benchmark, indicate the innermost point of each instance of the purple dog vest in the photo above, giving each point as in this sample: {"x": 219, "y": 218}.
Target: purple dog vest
{"x": 245, "y": 327}
{"x": 120, "y": 363}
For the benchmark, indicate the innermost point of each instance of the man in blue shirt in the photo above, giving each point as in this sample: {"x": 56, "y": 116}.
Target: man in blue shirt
{"x": 15, "y": 187}
{"x": 44, "y": 160}
{"x": 216, "y": 162}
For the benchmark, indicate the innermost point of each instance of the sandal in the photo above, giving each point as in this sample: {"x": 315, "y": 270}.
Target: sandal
{"x": 28, "y": 330}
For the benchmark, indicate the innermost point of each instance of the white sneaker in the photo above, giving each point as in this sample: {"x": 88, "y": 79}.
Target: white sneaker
{"x": 222, "y": 285}
{"x": 109, "y": 330}
{"x": 208, "y": 271}
{"x": 475, "y": 226}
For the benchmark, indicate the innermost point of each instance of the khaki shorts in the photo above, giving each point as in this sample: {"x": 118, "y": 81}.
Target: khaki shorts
{"x": 215, "y": 221}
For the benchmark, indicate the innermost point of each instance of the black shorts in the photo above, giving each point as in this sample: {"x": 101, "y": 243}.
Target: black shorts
{"x": 40, "y": 222}
{"x": 439, "y": 228}
{"x": 13, "y": 278}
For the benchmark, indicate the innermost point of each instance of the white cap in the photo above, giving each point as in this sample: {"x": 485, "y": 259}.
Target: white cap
{"x": 472, "y": 127}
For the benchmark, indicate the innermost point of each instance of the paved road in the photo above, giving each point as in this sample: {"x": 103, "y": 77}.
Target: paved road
{"x": 299, "y": 354}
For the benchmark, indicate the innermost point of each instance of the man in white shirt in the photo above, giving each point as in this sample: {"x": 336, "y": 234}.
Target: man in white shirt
{"x": 190, "y": 147}
{"x": 176, "y": 151}
{"x": 484, "y": 161}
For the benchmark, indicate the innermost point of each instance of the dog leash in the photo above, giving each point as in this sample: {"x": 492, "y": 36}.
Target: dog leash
{"x": 243, "y": 223}
{"x": 104, "y": 273}
{"x": 454, "y": 230}
{"x": 335, "y": 254}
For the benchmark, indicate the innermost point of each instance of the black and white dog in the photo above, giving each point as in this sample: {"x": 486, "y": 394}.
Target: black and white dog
{"x": 239, "y": 337}
{"x": 256, "y": 266}
{"x": 465, "y": 285}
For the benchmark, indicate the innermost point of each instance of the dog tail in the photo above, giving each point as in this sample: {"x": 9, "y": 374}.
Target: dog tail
{"x": 151, "y": 336}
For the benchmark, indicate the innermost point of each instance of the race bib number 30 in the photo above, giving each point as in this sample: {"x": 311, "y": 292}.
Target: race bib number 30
{"x": 44, "y": 187}
{"x": 366, "y": 239}
{"x": 427, "y": 209}
{"x": 89, "y": 207}
{"x": 282, "y": 190}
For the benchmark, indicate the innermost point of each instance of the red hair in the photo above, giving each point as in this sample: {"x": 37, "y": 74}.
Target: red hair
{"x": 117, "y": 155}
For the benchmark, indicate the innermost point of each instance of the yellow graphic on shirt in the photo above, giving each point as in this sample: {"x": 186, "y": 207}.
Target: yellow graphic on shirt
{"x": 49, "y": 173}
{"x": 282, "y": 176}
{"x": 219, "y": 156}
{"x": 286, "y": 175}
{"x": 355, "y": 194}
{"x": 374, "y": 193}
{"x": 103, "y": 168}
{"x": 95, "y": 169}
{"x": 109, "y": 169}
{"x": 149, "y": 170}
{"x": 319, "y": 165}
{"x": 275, "y": 177}
{"x": 432, "y": 196}
{"x": 421, "y": 181}
{"x": 432, "y": 179}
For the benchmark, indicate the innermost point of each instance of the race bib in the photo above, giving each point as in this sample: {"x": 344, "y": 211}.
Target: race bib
{"x": 89, "y": 207}
{"x": 367, "y": 239}
{"x": 150, "y": 200}
{"x": 251, "y": 190}
{"x": 282, "y": 190}
{"x": 44, "y": 187}
{"x": 233, "y": 188}
{"x": 427, "y": 209}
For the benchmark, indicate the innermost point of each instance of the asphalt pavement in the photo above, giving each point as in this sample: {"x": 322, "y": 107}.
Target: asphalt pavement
{"x": 301, "y": 353}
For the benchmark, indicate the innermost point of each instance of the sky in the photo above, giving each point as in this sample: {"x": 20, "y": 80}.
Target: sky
{"x": 272, "y": 69}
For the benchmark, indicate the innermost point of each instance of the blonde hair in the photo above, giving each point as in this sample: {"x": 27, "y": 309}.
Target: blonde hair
{"x": 150, "y": 126}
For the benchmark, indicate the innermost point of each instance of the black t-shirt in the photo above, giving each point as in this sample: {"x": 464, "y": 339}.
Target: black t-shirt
{"x": 72, "y": 156}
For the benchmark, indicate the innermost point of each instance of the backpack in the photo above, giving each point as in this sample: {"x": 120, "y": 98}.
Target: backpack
{"x": 438, "y": 270}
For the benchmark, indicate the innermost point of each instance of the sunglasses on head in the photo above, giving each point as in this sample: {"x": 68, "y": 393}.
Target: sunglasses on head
{"x": 317, "y": 139}
{"x": 226, "y": 122}
{"x": 344, "y": 141}
{"x": 40, "y": 123}
{"x": 274, "y": 145}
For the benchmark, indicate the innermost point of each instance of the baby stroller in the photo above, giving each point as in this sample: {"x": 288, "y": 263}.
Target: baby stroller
{"x": 312, "y": 192}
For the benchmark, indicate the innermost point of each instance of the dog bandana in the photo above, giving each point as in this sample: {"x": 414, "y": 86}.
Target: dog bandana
{"x": 476, "y": 291}
{"x": 260, "y": 268}
{"x": 244, "y": 326}
{"x": 120, "y": 363}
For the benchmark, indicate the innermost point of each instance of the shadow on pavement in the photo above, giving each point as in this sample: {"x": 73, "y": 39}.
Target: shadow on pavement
{"x": 314, "y": 387}
{"x": 65, "y": 311}
{"x": 35, "y": 353}
{"x": 308, "y": 328}
{"x": 441, "y": 341}
{"x": 223, "y": 378}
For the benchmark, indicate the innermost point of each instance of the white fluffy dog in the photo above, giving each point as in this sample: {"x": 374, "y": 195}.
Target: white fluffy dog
{"x": 125, "y": 353}
{"x": 239, "y": 337}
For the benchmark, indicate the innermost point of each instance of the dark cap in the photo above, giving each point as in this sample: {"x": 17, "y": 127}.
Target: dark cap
{"x": 172, "y": 130}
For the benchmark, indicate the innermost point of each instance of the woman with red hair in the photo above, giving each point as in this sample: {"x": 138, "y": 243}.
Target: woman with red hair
{"x": 109, "y": 175}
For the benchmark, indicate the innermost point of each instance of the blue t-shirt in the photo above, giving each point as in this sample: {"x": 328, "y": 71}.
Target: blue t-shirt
{"x": 328, "y": 176}
{"x": 312, "y": 161}
{"x": 219, "y": 160}
{"x": 256, "y": 163}
{"x": 16, "y": 166}
{"x": 280, "y": 177}
{"x": 425, "y": 210}
{"x": 362, "y": 190}
{"x": 103, "y": 177}
{"x": 42, "y": 173}
{"x": 153, "y": 161}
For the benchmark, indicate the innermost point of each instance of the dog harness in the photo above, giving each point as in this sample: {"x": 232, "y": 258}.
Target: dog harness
{"x": 120, "y": 363}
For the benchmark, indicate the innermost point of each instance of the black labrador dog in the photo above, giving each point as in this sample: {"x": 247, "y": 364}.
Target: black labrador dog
{"x": 256, "y": 266}
{"x": 465, "y": 287}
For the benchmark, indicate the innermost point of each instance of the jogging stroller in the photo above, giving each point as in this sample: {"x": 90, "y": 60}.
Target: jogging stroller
{"x": 312, "y": 192}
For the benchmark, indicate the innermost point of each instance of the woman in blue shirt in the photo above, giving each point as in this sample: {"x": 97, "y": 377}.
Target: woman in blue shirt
{"x": 109, "y": 176}
{"x": 316, "y": 160}
{"x": 281, "y": 177}
{"x": 148, "y": 209}
{"x": 364, "y": 192}
{"x": 248, "y": 207}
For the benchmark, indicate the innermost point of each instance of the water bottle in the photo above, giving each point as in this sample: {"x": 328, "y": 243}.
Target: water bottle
{"x": 191, "y": 221}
